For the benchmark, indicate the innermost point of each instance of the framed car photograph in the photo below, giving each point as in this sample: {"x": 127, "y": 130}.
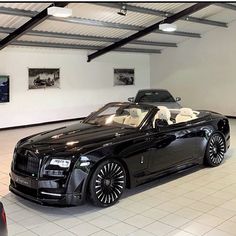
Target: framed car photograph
{"x": 4, "y": 89}
{"x": 44, "y": 78}
{"x": 123, "y": 76}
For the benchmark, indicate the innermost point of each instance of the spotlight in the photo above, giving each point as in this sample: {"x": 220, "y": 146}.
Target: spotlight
{"x": 59, "y": 11}
{"x": 123, "y": 11}
{"x": 167, "y": 27}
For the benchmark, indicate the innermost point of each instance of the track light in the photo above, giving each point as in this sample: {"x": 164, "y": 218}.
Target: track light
{"x": 59, "y": 11}
{"x": 123, "y": 11}
{"x": 167, "y": 27}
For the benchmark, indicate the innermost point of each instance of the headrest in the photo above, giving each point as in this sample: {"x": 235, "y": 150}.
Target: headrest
{"x": 134, "y": 112}
{"x": 164, "y": 114}
{"x": 186, "y": 112}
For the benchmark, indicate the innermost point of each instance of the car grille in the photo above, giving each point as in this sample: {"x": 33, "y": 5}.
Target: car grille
{"x": 27, "y": 163}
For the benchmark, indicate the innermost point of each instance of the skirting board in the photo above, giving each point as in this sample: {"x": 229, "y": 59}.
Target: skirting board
{"x": 43, "y": 123}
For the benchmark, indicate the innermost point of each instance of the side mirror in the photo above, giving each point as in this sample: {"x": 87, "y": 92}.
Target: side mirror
{"x": 131, "y": 99}
{"x": 178, "y": 99}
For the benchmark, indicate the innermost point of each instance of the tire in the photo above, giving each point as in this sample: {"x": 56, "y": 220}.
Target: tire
{"x": 107, "y": 183}
{"x": 215, "y": 150}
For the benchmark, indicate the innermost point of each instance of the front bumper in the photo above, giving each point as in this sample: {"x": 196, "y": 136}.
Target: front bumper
{"x": 47, "y": 191}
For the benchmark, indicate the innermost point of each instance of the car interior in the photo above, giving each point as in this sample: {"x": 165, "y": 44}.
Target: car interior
{"x": 130, "y": 117}
{"x": 174, "y": 116}
{"x": 164, "y": 116}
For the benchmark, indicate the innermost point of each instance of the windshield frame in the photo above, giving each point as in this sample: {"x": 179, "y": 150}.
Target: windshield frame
{"x": 150, "y": 109}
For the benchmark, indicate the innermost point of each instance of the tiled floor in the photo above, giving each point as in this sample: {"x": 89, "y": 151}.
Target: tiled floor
{"x": 199, "y": 202}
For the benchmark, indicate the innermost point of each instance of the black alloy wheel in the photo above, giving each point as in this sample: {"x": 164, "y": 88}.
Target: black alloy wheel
{"x": 107, "y": 183}
{"x": 215, "y": 150}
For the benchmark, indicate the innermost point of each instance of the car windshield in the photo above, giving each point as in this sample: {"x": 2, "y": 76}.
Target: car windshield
{"x": 155, "y": 96}
{"x": 125, "y": 115}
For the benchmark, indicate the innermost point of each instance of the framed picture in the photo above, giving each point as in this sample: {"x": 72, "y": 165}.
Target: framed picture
{"x": 123, "y": 76}
{"x": 44, "y": 78}
{"x": 4, "y": 88}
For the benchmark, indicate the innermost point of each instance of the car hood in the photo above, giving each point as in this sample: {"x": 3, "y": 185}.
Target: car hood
{"x": 170, "y": 105}
{"x": 76, "y": 136}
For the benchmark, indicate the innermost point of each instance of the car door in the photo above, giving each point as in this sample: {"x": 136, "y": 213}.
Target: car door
{"x": 135, "y": 152}
{"x": 171, "y": 146}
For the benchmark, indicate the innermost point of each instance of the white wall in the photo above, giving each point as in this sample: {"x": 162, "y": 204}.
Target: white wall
{"x": 201, "y": 71}
{"x": 84, "y": 86}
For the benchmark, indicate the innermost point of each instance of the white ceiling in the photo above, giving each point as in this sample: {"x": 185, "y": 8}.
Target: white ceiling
{"x": 95, "y": 12}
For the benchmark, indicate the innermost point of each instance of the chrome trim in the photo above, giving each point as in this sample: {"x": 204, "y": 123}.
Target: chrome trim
{"x": 52, "y": 194}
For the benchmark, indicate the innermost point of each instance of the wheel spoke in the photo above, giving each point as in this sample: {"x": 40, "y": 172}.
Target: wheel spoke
{"x": 110, "y": 183}
{"x": 102, "y": 172}
{"x": 216, "y": 149}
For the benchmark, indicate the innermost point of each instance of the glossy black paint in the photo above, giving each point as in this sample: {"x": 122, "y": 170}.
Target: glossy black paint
{"x": 145, "y": 152}
{"x": 3, "y": 223}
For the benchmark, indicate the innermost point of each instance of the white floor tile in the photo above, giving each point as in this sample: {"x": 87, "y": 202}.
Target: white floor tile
{"x": 158, "y": 228}
{"x": 139, "y": 221}
{"x": 121, "y": 229}
{"x": 155, "y": 213}
{"x": 84, "y": 229}
{"x": 210, "y": 220}
{"x": 216, "y": 232}
{"x": 228, "y": 227}
{"x": 174, "y": 220}
{"x": 196, "y": 228}
{"x": 188, "y": 213}
{"x": 178, "y": 232}
{"x": 103, "y": 221}
{"x": 47, "y": 229}
{"x": 14, "y": 229}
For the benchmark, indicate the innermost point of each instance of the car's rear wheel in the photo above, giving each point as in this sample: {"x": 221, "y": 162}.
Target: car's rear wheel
{"x": 107, "y": 183}
{"x": 215, "y": 150}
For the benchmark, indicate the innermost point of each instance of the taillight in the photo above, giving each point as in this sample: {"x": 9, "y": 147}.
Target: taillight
{"x": 4, "y": 217}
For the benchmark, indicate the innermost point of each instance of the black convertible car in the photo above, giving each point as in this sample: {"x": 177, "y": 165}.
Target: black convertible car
{"x": 121, "y": 145}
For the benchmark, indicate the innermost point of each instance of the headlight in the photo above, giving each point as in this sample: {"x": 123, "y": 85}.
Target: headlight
{"x": 60, "y": 162}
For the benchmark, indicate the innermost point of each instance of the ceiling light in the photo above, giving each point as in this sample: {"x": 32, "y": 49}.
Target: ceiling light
{"x": 123, "y": 11}
{"x": 59, "y": 11}
{"x": 167, "y": 27}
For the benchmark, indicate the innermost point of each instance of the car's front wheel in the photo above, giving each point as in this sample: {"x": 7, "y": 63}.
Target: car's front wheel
{"x": 107, "y": 183}
{"x": 215, "y": 150}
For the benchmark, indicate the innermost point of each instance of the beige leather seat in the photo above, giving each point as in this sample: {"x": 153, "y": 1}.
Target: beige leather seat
{"x": 119, "y": 119}
{"x": 185, "y": 114}
{"x": 163, "y": 114}
{"x": 134, "y": 118}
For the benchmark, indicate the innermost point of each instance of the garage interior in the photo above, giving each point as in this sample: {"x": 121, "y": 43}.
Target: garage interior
{"x": 196, "y": 62}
